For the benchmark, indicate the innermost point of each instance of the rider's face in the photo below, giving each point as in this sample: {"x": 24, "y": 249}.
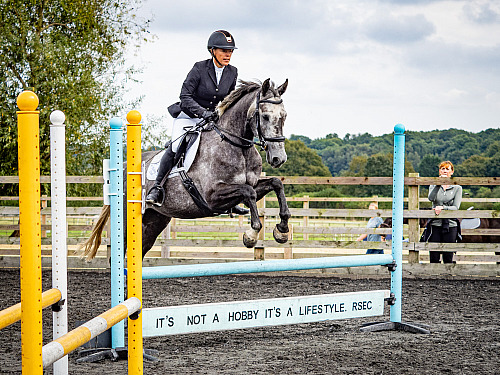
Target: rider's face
{"x": 223, "y": 56}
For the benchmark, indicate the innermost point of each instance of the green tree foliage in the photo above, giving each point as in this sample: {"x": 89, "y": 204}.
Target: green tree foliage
{"x": 302, "y": 161}
{"x": 452, "y": 144}
{"x": 429, "y": 165}
{"x": 379, "y": 165}
{"x": 71, "y": 54}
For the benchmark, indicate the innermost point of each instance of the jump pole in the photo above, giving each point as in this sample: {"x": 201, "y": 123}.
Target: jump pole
{"x": 12, "y": 314}
{"x": 215, "y": 269}
{"x": 30, "y": 229}
{"x": 59, "y": 230}
{"x": 114, "y": 197}
{"x": 67, "y": 343}
{"x": 134, "y": 239}
{"x": 397, "y": 244}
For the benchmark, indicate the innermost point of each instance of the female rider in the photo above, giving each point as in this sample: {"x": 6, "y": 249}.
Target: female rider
{"x": 207, "y": 83}
{"x": 443, "y": 197}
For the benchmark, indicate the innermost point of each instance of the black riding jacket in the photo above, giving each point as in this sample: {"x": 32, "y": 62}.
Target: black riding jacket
{"x": 200, "y": 91}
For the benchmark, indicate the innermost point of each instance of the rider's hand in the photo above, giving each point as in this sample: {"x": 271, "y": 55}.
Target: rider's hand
{"x": 209, "y": 116}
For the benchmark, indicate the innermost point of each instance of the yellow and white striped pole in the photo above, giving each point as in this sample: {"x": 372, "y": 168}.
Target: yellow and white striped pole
{"x": 12, "y": 314}
{"x": 29, "y": 225}
{"x": 65, "y": 344}
{"x": 134, "y": 239}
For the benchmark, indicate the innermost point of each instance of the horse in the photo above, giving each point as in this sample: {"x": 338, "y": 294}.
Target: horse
{"x": 227, "y": 168}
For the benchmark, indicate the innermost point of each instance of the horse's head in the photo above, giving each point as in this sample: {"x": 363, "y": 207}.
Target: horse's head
{"x": 263, "y": 117}
{"x": 268, "y": 114}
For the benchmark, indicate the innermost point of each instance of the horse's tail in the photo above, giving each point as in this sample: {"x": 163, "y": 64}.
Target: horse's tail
{"x": 92, "y": 244}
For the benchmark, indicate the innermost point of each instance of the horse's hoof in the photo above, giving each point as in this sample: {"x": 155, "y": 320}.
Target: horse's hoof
{"x": 248, "y": 242}
{"x": 280, "y": 237}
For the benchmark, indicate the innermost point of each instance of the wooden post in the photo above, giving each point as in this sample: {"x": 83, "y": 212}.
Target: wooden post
{"x": 165, "y": 235}
{"x": 306, "y": 218}
{"x": 107, "y": 228}
{"x": 288, "y": 251}
{"x": 173, "y": 233}
{"x": 258, "y": 251}
{"x": 44, "y": 216}
{"x": 413, "y": 224}
{"x": 240, "y": 223}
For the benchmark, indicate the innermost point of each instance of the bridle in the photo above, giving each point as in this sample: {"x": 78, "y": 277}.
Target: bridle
{"x": 247, "y": 143}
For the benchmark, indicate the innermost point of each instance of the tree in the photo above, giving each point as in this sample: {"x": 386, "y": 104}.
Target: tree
{"x": 71, "y": 54}
{"x": 429, "y": 165}
{"x": 302, "y": 161}
{"x": 379, "y": 165}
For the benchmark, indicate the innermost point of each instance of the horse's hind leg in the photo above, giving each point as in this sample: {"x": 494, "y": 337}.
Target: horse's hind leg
{"x": 266, "y": 185}
{"x": 153, "y": 224}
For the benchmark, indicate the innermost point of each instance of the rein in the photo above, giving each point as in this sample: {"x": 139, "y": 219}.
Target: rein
{"x": 247, "y": 143}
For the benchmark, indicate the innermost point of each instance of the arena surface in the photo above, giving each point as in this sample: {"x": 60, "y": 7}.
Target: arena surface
{"x": 463, "y": 315}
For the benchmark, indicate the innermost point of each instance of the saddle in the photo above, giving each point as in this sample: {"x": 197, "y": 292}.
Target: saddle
{"x": 184, "y": 156}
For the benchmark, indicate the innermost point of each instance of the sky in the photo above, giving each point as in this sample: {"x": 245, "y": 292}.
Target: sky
{"x": 354, "y": 66}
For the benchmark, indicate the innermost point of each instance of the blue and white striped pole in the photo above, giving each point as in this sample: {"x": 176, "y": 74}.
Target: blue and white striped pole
{"x": 398, "y": 174}
{"x": 117, "y": 214}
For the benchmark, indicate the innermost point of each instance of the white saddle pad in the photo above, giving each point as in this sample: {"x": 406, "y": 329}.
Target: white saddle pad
{"x": 152, "y": 171}
{"x": 470, "y": 223}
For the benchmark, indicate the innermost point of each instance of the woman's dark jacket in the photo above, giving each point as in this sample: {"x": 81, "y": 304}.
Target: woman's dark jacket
{"x": 200, "y": 91}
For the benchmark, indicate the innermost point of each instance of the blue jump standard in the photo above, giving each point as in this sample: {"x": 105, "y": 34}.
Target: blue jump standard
{"x": 213, "y": 269}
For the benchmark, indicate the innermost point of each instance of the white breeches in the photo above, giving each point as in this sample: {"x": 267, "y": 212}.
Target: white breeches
{"x": 182, "y": 124}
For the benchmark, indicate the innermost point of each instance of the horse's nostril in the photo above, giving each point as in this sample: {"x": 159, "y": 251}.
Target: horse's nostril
{"x": 276, "y": 161}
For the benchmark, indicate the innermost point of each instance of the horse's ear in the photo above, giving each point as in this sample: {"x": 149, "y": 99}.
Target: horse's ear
{"x": 266, "y": 85}
{"x": 283, "y": 87}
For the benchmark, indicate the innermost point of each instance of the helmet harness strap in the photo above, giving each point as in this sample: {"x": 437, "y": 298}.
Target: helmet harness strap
{"x": 213, "y": 55}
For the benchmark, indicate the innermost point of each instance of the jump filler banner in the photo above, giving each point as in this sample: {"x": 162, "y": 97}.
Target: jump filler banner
{"x": 175, "y": 320}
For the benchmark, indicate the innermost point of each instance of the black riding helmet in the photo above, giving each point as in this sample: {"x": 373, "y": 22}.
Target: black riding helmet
{"x": 221, "y": 39}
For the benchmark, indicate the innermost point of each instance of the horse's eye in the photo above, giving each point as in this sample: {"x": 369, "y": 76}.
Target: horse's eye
{"x": 265, "y": 117}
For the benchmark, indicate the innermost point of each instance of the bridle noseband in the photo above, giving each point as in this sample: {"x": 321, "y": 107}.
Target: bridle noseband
{"x": 247, "y": 143}
{"x": 263, "y": 140}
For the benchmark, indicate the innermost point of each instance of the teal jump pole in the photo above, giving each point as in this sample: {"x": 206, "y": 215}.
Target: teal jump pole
{"x": 214, "y": 269}
{"x": 398, "y": 174}
{"x": 116, "y": 217}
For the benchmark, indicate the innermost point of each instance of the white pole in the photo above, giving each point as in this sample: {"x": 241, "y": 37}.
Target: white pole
{"x": 59, "y": 229}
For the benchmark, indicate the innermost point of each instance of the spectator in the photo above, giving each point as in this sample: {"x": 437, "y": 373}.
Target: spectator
{"x": 374, "y": 222}
{"x": 443, "y": 197}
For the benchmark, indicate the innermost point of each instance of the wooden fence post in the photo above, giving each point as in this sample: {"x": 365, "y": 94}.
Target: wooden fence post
{"x": 288, "y": 251}
{"x": 258, "y": 251}
{"x": 306, "y": 218}
{"x": 44, "y": 216}
{"x": 413, "y": 224}
{"x": 165, "y": 235}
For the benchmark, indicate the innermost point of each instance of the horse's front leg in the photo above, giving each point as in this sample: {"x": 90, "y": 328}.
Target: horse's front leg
{"x": 226, "y": 196}
{"x": 266, "y": 185}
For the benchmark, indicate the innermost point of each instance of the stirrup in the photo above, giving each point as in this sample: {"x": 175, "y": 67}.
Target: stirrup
{"x": 156, "y": 197}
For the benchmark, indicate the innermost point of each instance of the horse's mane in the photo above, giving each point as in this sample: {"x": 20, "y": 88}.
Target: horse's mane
{"x": 244, "y": 88}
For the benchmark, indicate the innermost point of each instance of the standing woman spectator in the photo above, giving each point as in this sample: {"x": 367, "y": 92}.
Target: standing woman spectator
{"x": 443, "y": 197}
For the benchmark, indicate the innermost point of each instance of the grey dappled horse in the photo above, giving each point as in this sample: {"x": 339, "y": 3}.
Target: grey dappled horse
{"x": 225, "y": 172}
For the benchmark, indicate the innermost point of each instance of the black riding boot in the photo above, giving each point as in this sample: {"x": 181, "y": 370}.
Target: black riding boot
{"x": 156, "y": 194}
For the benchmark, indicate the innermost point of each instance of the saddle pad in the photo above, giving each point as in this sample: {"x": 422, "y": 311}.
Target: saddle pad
{"x": 153, "y": 167}
{"x": 470, "y": 223}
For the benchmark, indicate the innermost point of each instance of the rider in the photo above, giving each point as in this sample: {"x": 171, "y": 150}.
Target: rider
{"x": 207, "y": 83}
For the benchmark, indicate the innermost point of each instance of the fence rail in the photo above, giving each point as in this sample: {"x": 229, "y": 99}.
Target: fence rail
{"x": 314, "y": 231}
